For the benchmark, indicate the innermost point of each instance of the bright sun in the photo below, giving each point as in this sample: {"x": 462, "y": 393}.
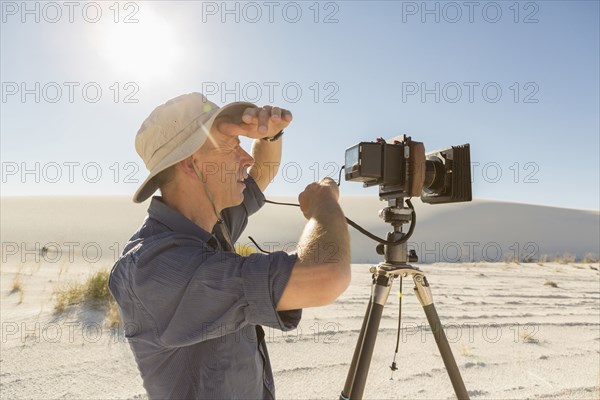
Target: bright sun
{"x": 146, "y": 49}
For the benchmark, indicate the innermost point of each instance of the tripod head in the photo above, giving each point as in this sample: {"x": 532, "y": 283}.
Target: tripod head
{"x": 395, "y": 251}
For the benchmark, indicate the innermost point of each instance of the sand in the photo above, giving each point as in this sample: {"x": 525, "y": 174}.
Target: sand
{"x": 514, "y": 335}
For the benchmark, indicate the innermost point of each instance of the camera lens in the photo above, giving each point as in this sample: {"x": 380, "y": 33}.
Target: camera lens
{"x": 434, "y": 175}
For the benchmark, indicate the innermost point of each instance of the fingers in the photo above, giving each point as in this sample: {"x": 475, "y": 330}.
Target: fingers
{"x": 250, "y": 114}
{"x": 275, "y": 114}
{"x": 263, "y": 119}
{"x": 286, "y": 115}
{"x": 315, "y": 193}
{"x": 261, "y": 115}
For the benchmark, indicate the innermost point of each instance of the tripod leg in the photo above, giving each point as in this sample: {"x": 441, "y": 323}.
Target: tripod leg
{"x": 424, "y": 294}
{"x": 381, "y": 289}
{"x": 359, "y": 344}
{"x": 364, "y": 360}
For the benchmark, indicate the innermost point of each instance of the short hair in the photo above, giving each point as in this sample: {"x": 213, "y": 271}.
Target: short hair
{"x": 164, "y": 177}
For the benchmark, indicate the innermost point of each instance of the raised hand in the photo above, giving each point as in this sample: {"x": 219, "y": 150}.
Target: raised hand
{"x": 256, "y": 122}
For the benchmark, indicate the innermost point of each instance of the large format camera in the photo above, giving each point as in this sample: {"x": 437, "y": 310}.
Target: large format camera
{"x": 402, "y": 169}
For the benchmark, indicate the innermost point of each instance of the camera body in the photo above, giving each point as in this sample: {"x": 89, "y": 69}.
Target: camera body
{"x": 402, "y": 169}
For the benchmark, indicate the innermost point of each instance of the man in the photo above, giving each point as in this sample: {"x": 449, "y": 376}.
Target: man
{"x": 191, "y": 307}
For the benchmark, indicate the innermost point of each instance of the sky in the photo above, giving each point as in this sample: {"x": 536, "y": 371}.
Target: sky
{"x": 518, "y": 81}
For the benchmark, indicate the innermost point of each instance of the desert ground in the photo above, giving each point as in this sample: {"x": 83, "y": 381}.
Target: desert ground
{"x": 517, "y": 329}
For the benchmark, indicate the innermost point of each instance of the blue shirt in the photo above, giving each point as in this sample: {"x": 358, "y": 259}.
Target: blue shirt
{"x": 192, "y": 312}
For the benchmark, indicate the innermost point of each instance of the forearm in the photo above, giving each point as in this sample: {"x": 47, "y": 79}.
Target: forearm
{"x": 325, "y": 241}
{"x": 322, "y": 271}
{"x": 267, "y": 157}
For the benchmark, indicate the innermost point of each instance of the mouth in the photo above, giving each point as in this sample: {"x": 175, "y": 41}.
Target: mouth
{"x": 243, "y": 177}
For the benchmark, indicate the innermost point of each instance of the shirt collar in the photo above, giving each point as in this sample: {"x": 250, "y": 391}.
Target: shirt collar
{"x": 174, "y": 220}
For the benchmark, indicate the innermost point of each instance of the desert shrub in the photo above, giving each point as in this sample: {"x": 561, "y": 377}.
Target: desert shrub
{"x": 67, "y": 295}
{"x": 93, "y": 291}
{"x": 590, "y": 258}
{"x": 96, "y": 287}
{"x": 566, "y": 258}
{"x": 244, "y": 250}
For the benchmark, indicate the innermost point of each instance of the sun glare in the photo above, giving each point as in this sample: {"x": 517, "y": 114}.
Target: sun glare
{"x": 145, "y": 49}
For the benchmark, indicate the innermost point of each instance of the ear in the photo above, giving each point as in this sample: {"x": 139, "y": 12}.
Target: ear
{"x": 186, "y": 166}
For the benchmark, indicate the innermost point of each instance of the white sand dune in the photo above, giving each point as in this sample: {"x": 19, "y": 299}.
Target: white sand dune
{"x": 481, "y": 230}
{"x": 512, "y": 334}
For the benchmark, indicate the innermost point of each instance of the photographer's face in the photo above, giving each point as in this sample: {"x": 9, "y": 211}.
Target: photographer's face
{"x": 223, "y": 166}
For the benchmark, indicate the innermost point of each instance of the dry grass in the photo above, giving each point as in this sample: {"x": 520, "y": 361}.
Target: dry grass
{"x": 113, "y": 317}
{"x": 68, "y": 294}
{"x": 466, "y": 351}
{"x": 17, "y": 285}
{"x": 551, "y": 284}
{"x": 512, "y": 260}
{"x": 94, "y": 291}
{"x": 244, "y": 250}
{"x": 565, "y": 258}
{"x": 590, "y": 258}
{"x": 542, "y": 260}
{"x": 527, "y": 337}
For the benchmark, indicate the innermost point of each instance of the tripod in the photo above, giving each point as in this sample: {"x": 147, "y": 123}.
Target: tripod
{"x": 395, "y": 265}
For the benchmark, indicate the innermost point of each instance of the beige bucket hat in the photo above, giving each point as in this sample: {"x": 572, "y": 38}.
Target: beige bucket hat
{"x": 174, "y": 131}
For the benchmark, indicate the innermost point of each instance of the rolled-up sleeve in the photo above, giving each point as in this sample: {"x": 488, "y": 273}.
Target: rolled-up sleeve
{"x": 265, "y": 279}
{"x": 193, "y": 296}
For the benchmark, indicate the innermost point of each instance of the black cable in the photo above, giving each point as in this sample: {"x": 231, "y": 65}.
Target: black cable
{"x": 413, "y": 223}
{"x": 363, "y": 230}
{"x": 340, "y": 175}
{"x": 394, "y": 366}
{"x": 281, "y": 204}
{"x": 358, "y": 227}
{"x": 258, "y": 247}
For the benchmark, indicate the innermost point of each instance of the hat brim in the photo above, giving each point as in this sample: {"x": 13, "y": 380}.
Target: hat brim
{"x": 186, "y": 149}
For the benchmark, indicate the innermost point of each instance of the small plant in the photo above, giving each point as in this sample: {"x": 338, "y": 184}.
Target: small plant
{"x": 527, "y": 337}
{"x": 590, "y": 258}
{"x": 68, "y": 295}
{"x": 96, "y": 288}
{"x": 528, "y": 259}
{"x": 17, "y": 285}
{"x": 466, "y": 351}
{"x": 113, "y": 317}
{"x": 244, "y": 250}
{"x": 551, "y": 284}
{"x": 94, "y": 291}
{"x": 511, "y": 260}
{"x": 566, "y": 258}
